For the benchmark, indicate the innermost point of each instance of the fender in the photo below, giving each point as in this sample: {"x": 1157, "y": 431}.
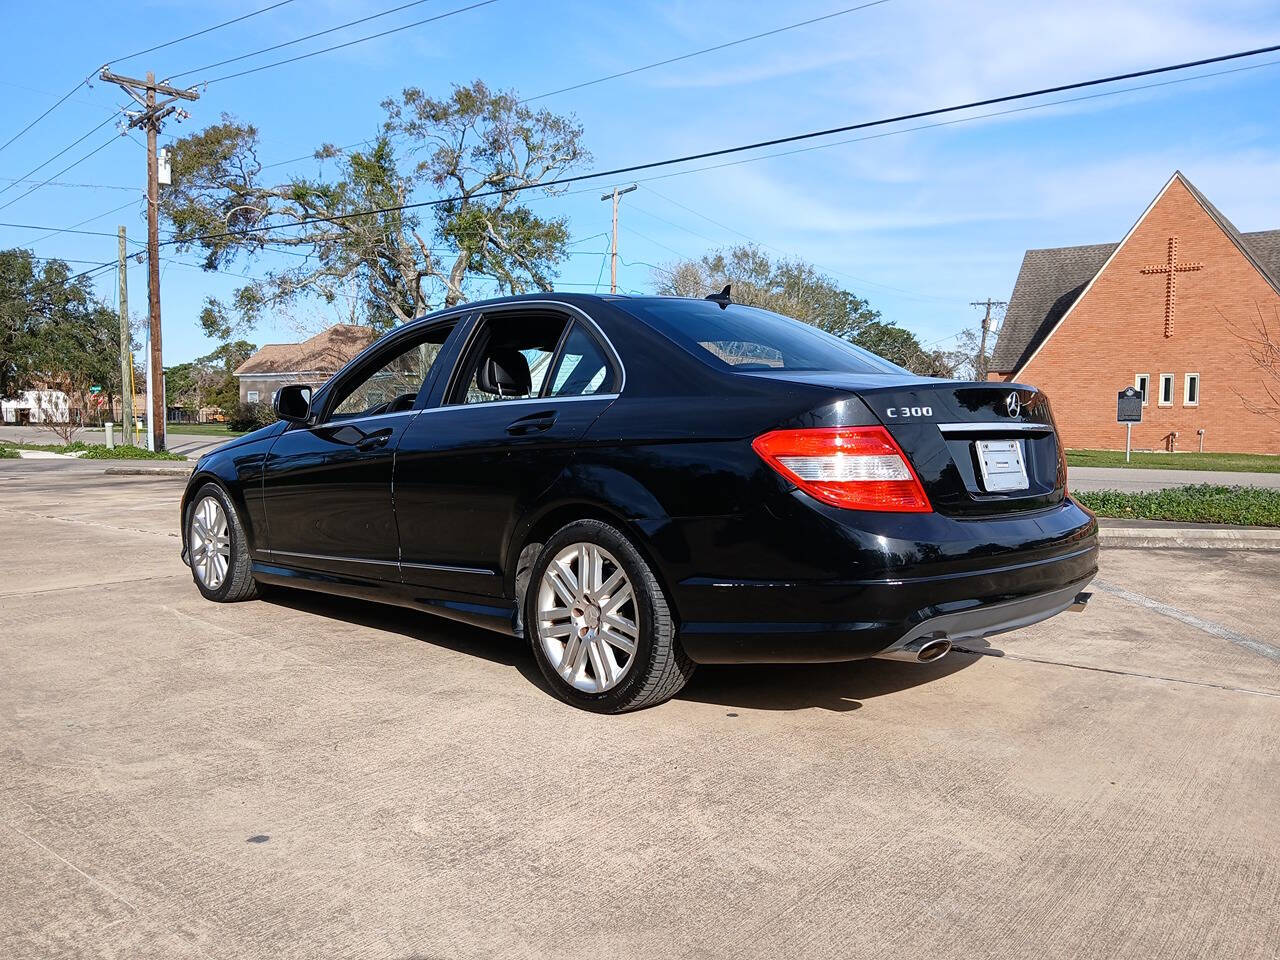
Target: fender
{"x": 595, "y": 491}
{"x": 237, "y": 468}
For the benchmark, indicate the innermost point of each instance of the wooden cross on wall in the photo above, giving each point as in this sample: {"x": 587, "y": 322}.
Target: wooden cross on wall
{"x": 1171, "y": 268}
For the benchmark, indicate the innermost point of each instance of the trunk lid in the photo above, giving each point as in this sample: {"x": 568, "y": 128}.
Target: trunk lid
{"x": 948, "y": 427}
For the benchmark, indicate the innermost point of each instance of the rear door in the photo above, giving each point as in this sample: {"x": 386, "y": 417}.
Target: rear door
{"x": 492, "y": 445}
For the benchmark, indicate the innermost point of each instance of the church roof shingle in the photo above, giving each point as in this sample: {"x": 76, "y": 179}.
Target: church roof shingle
{"x": 1050, "y": 281}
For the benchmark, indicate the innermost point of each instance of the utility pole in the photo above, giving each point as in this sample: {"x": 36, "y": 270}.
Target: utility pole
{"x": 152, "y": 116}
{"x": 980, "y": 369}
{"x": 613, "y": 256}
{"x": 126, "y": 350}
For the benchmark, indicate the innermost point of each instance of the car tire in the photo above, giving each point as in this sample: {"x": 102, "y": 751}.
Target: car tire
{"x": 217, "y": 549}
{"x": 654, "y": 669}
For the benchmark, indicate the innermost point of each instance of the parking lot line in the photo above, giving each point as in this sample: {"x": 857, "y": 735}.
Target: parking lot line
{"x": 1208, "y": 626}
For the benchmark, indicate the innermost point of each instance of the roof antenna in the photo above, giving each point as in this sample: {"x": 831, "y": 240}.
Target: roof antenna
{"x": 722, "y": 297}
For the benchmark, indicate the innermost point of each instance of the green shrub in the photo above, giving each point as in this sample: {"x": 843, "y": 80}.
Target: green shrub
{"x": 251, "y": 416}
{"x": 90, "y": 451}
{"x": 1201, "y": 503}
{"x": 96, "y": 451}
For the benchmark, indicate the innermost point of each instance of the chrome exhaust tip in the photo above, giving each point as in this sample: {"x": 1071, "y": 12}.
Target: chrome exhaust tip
{"x": 919, "y": 650}
{"x": 934, "y": 650}
{"x": 1080, "y": 602}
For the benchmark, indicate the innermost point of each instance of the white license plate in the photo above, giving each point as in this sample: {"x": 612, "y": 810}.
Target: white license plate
{"x": 1003, "y": 468}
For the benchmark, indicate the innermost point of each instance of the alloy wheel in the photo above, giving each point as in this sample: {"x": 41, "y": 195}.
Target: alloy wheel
{"x": 210, "y": 544}
{"x": 588, "y": 619}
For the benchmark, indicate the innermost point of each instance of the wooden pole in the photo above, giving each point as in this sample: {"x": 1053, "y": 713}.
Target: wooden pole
{"x": 613, "y": 248}
{"x": 157, "y": 413}
{"x": 126, "y": 351}
{"x": 152, "y": 114}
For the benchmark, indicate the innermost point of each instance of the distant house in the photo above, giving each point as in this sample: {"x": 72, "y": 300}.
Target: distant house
{"x": 36, "y": 406}
{"x": 312, "y": 361}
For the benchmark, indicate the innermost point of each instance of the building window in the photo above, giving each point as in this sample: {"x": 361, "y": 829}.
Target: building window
{"x": 251, "y": 396}
{"x": 1141, "y": 383}
{"x": 1191, "y": 390}
{"x": 1166, "y": 390}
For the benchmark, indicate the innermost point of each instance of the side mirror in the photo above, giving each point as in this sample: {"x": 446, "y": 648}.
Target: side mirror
{"x": 293, "y": 403}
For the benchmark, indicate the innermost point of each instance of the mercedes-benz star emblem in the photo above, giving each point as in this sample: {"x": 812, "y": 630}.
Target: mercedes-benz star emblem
{"x": 1012, "y": 405}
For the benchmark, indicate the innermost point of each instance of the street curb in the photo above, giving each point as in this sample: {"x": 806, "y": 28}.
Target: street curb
{"x": 1179, "y": 537}
{"x": 148, "y": 471}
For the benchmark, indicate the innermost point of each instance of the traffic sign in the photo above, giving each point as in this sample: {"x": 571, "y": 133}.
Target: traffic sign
{"x": 95, "y": 389}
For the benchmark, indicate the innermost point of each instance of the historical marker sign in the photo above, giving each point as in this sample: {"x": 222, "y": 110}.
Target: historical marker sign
{"x": 1129, "y": 406}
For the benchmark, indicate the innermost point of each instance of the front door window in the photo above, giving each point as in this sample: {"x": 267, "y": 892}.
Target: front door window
{"x": 392, "y": 387}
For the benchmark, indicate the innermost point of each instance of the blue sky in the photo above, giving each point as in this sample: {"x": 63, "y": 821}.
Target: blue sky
{"x": 918, "y": 222}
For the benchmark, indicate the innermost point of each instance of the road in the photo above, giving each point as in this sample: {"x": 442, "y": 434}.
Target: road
{"x": 1136, "y": 480}
{"x": 187, "y": 445}
{"x": 303, "y": 777}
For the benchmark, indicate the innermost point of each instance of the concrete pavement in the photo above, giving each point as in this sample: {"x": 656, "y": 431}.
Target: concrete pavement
{"x": 303, "y": 777}
{"x": 1134, "y": 480}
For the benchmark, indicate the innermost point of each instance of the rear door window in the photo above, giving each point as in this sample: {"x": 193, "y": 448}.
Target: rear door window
{"x": 509, "y": 357}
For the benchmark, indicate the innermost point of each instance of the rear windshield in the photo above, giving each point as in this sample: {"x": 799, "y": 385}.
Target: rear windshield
{"x": 747, "y": 338}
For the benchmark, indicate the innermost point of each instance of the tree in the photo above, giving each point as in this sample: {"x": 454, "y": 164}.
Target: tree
{"x": 54, "y": 335}
{"x": 208, "y": 381}
{"x": 466, "y": 152}
{"x": 1261, "y": 342}
{"x": 795, "y": 288}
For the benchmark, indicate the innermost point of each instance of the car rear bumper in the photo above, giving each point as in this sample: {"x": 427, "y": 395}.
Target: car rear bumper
{"x": 994, "y": 589}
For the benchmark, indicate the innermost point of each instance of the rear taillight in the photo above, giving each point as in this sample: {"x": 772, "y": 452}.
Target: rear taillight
{"x": 859, "y": 468}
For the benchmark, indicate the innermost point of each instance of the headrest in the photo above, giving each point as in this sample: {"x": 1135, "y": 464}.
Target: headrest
{"x": 505, "y": 372}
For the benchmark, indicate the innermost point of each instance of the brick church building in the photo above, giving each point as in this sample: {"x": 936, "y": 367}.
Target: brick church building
{"x": 1170, "y": 309}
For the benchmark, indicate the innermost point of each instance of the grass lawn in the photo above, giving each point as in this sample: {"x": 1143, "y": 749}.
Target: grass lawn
{"x": 1248, "y": 462}
{"x": 1201, "y": 503}
{"x": 87, "y": 451}
{"x": 203, "y": 429}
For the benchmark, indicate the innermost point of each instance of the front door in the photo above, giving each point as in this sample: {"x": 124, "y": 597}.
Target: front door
{"x": 526, "y": 390}
{"x": 327, "y": 485}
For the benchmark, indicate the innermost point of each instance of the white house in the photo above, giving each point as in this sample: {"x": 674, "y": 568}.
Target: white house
{"x": 37, "y": 406}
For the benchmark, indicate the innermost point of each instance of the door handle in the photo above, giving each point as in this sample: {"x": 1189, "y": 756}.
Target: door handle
{"x": 374, "y": 440}
{"x": 534, "y": 423}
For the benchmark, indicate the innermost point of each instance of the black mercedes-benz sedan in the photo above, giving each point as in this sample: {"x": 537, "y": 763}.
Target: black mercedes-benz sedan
{"x": 640, "y": 484}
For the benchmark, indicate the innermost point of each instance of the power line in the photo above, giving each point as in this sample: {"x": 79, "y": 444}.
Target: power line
{"x": 68, "y": 147}
{"x": 56, "y": 183}
{"x": 159, "y": 46}
{"x": 838, "y": 143}
{"x": 63, "y": 99}
{"x": 74, "y": 163}
{"x": 349, "y": 43}
{"x": 949, "y": 123}
{"x": 724, "y": 151}
{"x": 201, "y": 33}
{"x": 312, "y": 155}
{"x": 698, "y": 53}
{"x": 54, "y": 233}
{"x": 289, "y": 43}
{"x": 36, "y": 226}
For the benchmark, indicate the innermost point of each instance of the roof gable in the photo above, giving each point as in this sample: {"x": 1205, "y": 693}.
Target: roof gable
{"x": 325, "y": 353}
{"x": 1048, "y": 285}
{"x": 1052, "y": 281}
